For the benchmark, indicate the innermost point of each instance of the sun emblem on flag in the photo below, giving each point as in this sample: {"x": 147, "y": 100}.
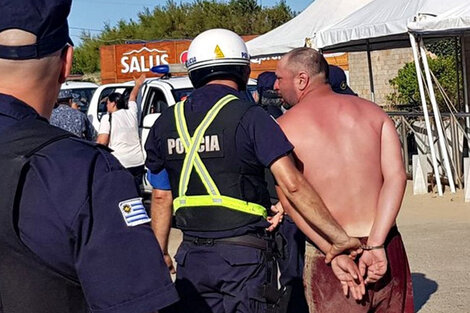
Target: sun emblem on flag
{"x": 127, "y": 208}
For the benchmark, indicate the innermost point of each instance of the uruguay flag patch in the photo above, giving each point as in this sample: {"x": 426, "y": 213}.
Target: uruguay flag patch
{"x": 133, "y": 212}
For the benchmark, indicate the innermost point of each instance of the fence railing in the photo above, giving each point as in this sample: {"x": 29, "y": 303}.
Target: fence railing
{"x": 413, "y": 136}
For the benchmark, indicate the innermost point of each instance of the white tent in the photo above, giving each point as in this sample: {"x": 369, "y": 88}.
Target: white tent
{"x": 381, "y": 24}
{"x": 455, "y": 20}
{"x": 292, "y": 34}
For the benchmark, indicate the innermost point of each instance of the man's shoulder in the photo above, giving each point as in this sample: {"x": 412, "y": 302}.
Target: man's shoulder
{"x": 244, "y": 106}
{"x": 79, "y": 154}
{"x": 369, "y": 108}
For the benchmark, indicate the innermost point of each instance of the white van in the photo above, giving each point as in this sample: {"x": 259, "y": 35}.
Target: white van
{"x": 155, "y": 95}
{"x": 82, "y": 92}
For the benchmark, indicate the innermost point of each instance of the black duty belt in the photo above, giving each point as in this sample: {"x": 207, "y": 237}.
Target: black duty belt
{"x": 245, "y": 240}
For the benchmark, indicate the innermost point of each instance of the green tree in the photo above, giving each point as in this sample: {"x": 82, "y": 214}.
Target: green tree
{"x": 405, "y": 84}
{"x": 181, "y": 21}
{"x": 442, "y": 64}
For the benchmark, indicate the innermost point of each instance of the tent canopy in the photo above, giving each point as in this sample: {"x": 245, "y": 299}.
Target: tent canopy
{"x": 453, "y": 21}
{"x": 381, "y": 24}
{"x": 292, "y": 34}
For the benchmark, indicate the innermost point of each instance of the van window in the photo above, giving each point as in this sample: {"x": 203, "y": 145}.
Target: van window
{"x": 155, "y": 103}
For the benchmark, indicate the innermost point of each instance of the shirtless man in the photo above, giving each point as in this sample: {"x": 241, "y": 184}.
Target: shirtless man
{"x": 348, "y": 149}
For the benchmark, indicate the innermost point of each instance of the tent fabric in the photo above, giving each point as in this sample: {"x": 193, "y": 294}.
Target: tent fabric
{"x": 376, "y": 23}
{"x": 451, "y": 21}
{"x": 292, "y": 34}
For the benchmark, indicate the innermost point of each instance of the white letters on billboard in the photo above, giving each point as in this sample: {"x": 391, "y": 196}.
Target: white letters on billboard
{"x": 133, "y": 62}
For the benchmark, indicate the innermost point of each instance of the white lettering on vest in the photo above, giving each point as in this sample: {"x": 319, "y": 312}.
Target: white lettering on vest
{"x": 208, "y": 144}
{"x": 214, "y": 143}
{"x": 171, "y": 143}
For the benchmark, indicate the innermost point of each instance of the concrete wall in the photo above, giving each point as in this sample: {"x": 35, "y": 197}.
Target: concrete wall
{"x": 385, "y": 66}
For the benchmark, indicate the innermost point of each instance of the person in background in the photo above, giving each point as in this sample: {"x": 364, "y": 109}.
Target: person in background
{"x": 266, "y": 96}
{"x": 74, "y": 234}
{"x": 70, "y": 119}
{"x": 291, "y": 262}
{"x": 338, "y": 82}
{"x": 349, "y": 150}
{"x": 119, "y": 130}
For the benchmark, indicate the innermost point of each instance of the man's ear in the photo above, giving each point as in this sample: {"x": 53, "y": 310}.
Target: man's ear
{"x": 67, "y": 57}
{"x": 302, "y": 80}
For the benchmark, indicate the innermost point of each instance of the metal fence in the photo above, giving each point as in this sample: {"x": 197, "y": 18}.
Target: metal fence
{"x": 413, "y": 136}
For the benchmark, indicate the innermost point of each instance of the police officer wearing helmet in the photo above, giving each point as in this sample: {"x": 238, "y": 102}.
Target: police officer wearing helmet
{"x": 214, "y": 148}
{"x": 74, "y": 235}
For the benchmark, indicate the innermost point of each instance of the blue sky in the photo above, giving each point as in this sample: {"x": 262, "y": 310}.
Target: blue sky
{"x": 91, "y": 15}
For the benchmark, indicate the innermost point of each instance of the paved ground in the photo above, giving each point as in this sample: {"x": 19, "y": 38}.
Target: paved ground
{"x": 436, "y": 232}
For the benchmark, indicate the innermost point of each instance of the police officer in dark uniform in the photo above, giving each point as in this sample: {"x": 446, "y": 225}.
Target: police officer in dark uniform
{"x": 214, "y": 148}
{"x": 74, "y": 235}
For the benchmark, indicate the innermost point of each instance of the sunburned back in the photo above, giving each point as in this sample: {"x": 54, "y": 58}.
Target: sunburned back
{"x": 338, "y": 149}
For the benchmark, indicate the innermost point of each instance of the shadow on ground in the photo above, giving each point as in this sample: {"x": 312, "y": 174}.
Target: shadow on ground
{"x": 423, "y": 288}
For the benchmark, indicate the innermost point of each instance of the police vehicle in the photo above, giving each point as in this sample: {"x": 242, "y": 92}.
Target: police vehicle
{"x": 81, "y": 91}
{"x": 155, "y": 95}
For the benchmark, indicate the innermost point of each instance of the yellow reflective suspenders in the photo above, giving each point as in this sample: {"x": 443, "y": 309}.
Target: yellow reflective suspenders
{"x": 192, "y": 159}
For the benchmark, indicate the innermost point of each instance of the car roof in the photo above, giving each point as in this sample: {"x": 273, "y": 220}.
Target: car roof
{"x": 77, "y": 85}
{"x": 181, "y": 82}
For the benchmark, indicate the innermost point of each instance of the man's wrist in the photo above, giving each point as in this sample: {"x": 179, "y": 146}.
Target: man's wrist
{"x": 370, "y": 247}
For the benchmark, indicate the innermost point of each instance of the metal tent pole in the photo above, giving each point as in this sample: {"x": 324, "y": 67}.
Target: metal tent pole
{"x": 465, "y": 86}
{"x": 426, "y": 115}
{"x": 437, "y": 117}
{"x": 371, "y": 74}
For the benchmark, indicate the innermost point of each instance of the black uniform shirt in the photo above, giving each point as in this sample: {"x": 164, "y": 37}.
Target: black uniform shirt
{"x": 70, "y": 217}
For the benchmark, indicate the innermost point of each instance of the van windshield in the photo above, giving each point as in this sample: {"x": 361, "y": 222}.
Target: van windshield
{"x": 82, "y": 96}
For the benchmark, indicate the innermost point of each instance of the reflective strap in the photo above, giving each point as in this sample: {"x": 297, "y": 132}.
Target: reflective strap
{"x": 224, "y": 201}
{"x": 192, "y": 159}
{"x": 191, "y": 146}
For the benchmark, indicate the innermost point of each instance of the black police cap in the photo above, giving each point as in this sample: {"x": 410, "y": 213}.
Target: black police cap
{"x": 337, "y": 80}
{"x": 47, "y": 19}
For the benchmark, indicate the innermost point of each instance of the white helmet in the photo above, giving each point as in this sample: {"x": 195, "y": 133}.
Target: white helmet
{"x": 218, "y": 54}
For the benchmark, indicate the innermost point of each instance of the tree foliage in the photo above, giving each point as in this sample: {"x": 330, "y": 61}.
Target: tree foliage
{"x": 442, "y": 63}
{"x": 180, "y": 21}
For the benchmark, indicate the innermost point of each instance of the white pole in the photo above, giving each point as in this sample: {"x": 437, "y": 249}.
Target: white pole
{"x": 426, "y": 115}
{"x": 371, "y": 75}
{"x": 437, "y": 116}
{"x": 465, "y": 86}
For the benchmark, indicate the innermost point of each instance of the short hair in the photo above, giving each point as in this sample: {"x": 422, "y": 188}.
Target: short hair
{"x": 118, "y": 99}
{"x": 308, "y": 59}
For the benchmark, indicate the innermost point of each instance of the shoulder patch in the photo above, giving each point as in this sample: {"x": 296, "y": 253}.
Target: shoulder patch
{"x": 133, "y": 212}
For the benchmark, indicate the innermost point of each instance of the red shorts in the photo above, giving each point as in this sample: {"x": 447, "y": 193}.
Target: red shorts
{"x": 393, "y": 293}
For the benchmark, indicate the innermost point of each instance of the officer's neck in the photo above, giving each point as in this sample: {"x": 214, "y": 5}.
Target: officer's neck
{"x": 225, "y": 82}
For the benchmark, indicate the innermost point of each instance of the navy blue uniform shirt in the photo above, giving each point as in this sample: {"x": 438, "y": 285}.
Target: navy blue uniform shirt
{"x": 260, "y": 141}
{"x": 69, "y": 216}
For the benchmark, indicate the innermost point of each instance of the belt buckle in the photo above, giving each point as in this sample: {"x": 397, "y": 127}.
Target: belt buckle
{"x": 204, "y": 242}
